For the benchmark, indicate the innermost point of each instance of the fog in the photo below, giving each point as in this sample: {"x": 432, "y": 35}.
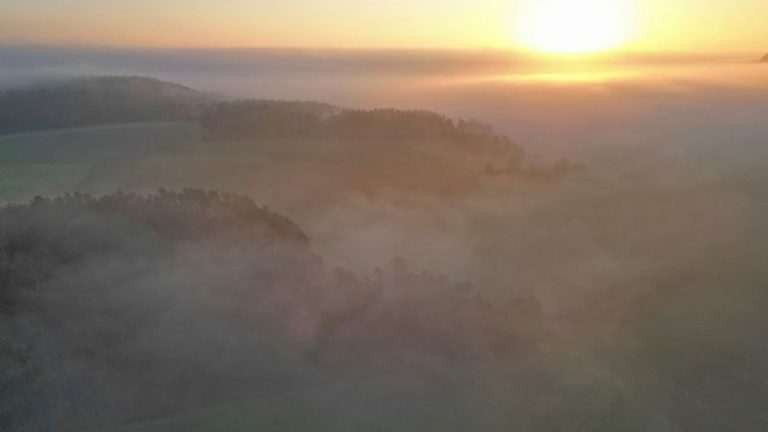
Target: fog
{"x": 634, "y": 100}
{"x": 645, "y": 264}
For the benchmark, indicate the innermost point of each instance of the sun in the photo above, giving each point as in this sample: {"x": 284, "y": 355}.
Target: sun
{"x": 574, "y": 26}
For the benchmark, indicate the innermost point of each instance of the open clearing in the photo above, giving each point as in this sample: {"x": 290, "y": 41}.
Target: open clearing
{"x": 57, "y": 162}
{"x": 20, "y": 182}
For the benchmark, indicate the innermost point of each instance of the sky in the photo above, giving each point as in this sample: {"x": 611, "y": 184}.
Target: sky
{"x": 659, "y": 25}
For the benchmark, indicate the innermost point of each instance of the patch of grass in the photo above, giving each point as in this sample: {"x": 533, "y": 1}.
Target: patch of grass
{"x": 21, "y": 182}
{"x": 97, "y": 144}
{"x": 59, "y": 161}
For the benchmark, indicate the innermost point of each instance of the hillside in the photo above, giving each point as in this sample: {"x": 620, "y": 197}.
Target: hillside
{"x": 93, "y": 158}
{"x": 94, "y": 101}
{"x": 125, "y": 308}
{"x": 627, "y": 297}
{"x": 139, "y": 134}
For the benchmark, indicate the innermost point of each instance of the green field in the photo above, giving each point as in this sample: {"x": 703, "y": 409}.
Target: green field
{"x": 100, "y": 143}
{"x": 56, "y": 162}
{"x": 21, "y": 182}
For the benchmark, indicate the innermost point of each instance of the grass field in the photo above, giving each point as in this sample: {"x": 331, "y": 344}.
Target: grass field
{"x": 56, "y": 162}
{"x": 21, "y": 182}
{"x": 100, "y": 143}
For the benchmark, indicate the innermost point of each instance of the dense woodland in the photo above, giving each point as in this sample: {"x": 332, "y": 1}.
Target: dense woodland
{"x": 171, "y": 136}
{"x": 115, "y": 100}
{"x": 267, "y": 119}
{"x": 106, "y": 100}
{"x": 95, "y": 101}
{"x": 628, "y": 297}
{"x": 125, "y": 307}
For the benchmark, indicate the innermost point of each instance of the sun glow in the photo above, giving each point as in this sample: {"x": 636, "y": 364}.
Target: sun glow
{"x": 575, "y": 26}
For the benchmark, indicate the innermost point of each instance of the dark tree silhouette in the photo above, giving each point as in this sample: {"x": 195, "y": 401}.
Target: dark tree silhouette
{"x": 127, "y": 307}
{"x": 95, "y": 101}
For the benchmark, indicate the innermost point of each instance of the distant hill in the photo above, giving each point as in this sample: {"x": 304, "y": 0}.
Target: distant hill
{"x": 764, "y": 59}
{"x": 128, "y": 287}
{"x": 93, "y": 101}
{"x": 256, "y": 119}
{"x": 99, "y": 134}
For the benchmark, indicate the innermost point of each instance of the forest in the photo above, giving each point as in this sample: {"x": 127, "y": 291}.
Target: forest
{"x": 93, "y": 101}
{"x": 103, "y": 297}
{"x": 139, "y": 134}
{"x": 173, "y": 260}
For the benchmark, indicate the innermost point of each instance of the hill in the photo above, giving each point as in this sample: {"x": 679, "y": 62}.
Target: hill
{"x": 92, "y": 158}
{"x": 139, "y": 134}
{"x": 126, "y": 308}
{"x": 93, "y": 101}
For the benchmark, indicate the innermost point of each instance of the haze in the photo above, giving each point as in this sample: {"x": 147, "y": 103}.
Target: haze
{"x": 735, "y": 26}
{"x": 342, "y": 216}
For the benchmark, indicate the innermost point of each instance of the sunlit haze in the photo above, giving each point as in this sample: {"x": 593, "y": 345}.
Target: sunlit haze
{"x": 575, "y": 26}
{"x": 383, "y": 215}
{"x": 658, "y": 25}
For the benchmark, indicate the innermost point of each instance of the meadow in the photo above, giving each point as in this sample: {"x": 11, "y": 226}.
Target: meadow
{"x": 53, "y": 162}
{"x": 21, "y": 182}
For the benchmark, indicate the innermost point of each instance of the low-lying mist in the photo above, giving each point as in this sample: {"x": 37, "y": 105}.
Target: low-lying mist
{"x": 601, "y": 270}
{"x": 555, "y": 108}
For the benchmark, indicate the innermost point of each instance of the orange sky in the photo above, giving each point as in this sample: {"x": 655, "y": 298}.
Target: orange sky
{"x": 661, "y": 25}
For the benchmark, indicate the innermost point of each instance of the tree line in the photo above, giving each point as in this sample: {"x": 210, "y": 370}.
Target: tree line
{"x": 125, "y": 307}
{"x": 95, "y": 101}
{"x": 250, "y": 119}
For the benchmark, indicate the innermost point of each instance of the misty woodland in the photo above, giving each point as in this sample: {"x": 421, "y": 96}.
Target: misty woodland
{"x": 181, "y": 260}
